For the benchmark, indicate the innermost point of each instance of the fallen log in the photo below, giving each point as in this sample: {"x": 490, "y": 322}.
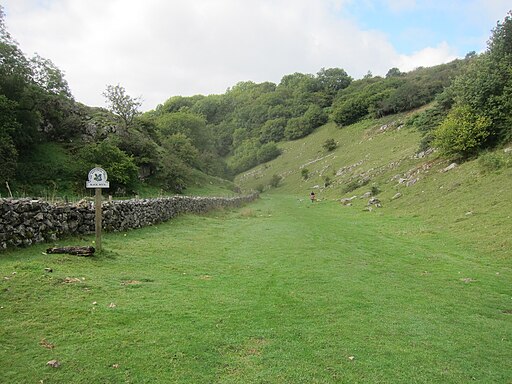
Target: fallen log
{"x": 72, "y": 250}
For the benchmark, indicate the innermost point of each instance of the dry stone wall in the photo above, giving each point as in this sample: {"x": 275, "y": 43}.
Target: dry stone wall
{"x": 25, "y": 222}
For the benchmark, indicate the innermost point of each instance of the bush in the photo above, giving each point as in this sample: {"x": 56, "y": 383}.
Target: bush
{"x": 260, "y": 188}
{"x": 354, "y": 184}
{"x": 120, "y": 167}
{"x": 273, "y": 130}
{"x": 315, "y": 117}
{"x": 349, "y": 111}
{"x": 267, "y": 152}
{"x": 296, "y": 128}
{"x": 275, "y": 180}
{"x": 462, "y": 133}
{"x": 491, "y": 162}
{"x": 330, "y": 145}
{"x": 304, "y": 173}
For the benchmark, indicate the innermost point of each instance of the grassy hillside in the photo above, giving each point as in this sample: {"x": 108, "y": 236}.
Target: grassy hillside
{"x": 50, "y": 171}
{"x": 471, "y": 201}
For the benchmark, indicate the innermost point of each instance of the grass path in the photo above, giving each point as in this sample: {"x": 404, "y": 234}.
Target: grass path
{"x": 281, "y": 291}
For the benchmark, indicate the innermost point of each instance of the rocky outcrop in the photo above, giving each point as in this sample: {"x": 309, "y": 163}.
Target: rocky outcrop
{"x": 25, "y": 222}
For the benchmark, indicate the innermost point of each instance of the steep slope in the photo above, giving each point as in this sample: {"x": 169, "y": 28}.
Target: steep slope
{"x": 379, "y": 157}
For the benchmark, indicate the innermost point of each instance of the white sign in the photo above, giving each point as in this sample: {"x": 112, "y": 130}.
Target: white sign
{"x": 97, "y": 179}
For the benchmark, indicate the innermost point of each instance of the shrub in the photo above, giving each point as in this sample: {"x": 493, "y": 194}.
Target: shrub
{"x": 349, "y": 111}
{"x": 490, "y": 162}
{"x": 304, "y": 173}
{"x": 315, "y": 117}
{"x": 462, "y": 133}
{"x": 120, "y": 167}
{"x": 354, "y": 184}
{"x": 275, "y": 180}
{"x": 267, "y": 152}
{"x": 273, "y": 130}
{"x": 330, "y": 145}
{"x": 296, "y": 128}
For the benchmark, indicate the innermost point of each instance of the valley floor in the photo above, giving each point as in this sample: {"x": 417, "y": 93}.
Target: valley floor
{"x": 281, "y": 291}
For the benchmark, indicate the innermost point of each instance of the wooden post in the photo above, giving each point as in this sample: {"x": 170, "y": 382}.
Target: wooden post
{"x": 97, "y": 217}
{"x": 97, "y": 179}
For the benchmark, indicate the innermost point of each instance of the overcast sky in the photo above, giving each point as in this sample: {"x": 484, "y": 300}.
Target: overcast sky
{"x": 162, "y": 48}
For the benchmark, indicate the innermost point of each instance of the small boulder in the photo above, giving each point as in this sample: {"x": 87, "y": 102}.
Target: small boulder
{"x": 366, "y": 195}
{"x": 450, "y": 167}
{"x": 396, "y": 196}
{"x": 53, "y": 363}
{"x": 374, "y": 201}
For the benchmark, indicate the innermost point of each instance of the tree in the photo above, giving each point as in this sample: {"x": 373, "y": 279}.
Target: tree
{"x": 315, "y": 117}
{"x": 330, "y": 145}
{"x": 500, "y": 43}
{"x": 122, "y": 105}
{"x": 296, "y": 128}
{"x": 47, "y": 76}
{"x": 267, "y": 152}
{"x": 393, "y": 72}
{"x": 8, "y": 126}
{"x": 333, "y": 80}
{"x": 120, "y": 167}
{"x": 350, "y": 110}
{"x": 181, "y": 146}
{"x": 188, "y": 123}
{"x": 462, "y": 133}
{"x": 273, "y": 130}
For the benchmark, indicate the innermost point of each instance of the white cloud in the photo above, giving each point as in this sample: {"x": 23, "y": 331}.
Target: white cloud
{"x": 158, "y": 48}
{"x": 426, "y": 57}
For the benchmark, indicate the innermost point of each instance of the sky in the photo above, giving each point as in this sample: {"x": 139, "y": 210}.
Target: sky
{"x": 157, "y": 49}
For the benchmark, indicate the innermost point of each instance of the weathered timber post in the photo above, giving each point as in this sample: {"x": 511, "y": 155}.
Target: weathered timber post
{"x": 97, "y": 179}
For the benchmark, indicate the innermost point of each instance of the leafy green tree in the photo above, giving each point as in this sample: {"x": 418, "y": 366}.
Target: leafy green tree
{"x": 47, "y": 76}
{"x": 267, "y": 152}
{"x": 296, "y": 128}
{"x": 8, "y": 126}
{"x": 245, "y": 156}
{"x": 483, "y": 97}
{"x": 462, "y": 133}
{"x": 315, "y": 117}
{"x": 178, "y": 103}
{"x": 188, "y": 123}
{"x": 122, "y": 105}
{"x": 273, "y": 130}
{"x": 330, "y": 145}
{"x": 500, "y": 43}
{"x": 393, "y": 72}
{"x": 333, "y": 80}
{"x": 349, "y": 111}
{"x": 275, "y": 180}
{"x": 181, "y": 146}
{"x": 120, "y": 168}
{"x": 174, "y": 175}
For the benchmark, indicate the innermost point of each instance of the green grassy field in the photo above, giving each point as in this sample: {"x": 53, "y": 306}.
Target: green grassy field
{"x": 281, "y": 291}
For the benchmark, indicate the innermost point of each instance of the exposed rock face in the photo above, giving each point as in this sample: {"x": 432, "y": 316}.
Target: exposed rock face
{"x": 25, "y": 222}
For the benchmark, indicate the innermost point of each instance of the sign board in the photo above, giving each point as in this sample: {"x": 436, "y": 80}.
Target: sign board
{"x": 97, "y": 179}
